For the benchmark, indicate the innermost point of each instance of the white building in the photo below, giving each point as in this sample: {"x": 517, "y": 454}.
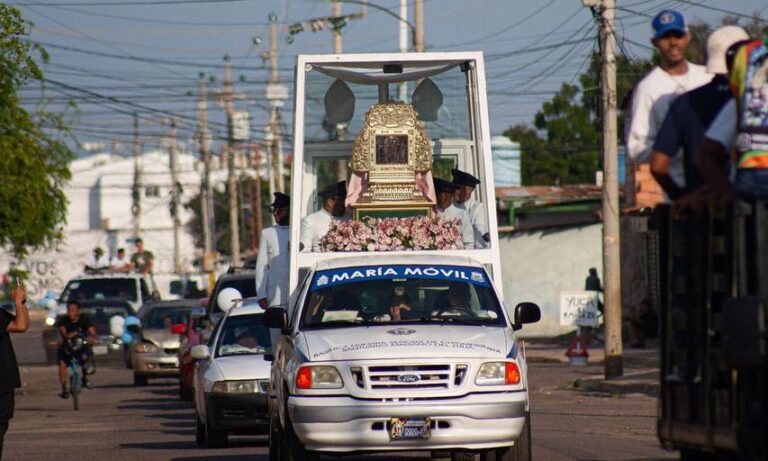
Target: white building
{"x": 99, "y": 215}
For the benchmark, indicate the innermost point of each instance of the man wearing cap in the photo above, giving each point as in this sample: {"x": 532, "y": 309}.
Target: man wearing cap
{"x": 316, "y": 225}
{"x": 653, "y": 95}
{"x": 97, "y": 261}
{"x": 462, "y": 199}
{"x": 690, "y": 115}
{"x": 444, "y": 191}
{"x": 272, "y": 261}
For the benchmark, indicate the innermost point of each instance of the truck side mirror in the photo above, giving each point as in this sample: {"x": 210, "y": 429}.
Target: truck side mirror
{"x": 526, "y": 312}
{"x": 200, "y": 352}
{"x": 276, "y": 317}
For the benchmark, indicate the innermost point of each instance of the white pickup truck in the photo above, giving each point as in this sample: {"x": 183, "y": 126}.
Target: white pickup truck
{"x": 440, "y": 371}
{"x": 392, "y": 349}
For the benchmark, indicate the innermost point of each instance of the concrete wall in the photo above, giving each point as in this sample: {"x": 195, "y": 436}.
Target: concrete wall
{"x": 538, "y": 265}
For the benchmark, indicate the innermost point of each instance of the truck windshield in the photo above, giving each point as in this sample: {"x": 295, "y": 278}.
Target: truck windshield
{"x": 86, "y": 289}
{"x": 373, "y": 295}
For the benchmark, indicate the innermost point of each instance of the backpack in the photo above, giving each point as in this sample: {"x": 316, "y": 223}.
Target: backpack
{"x": 749, "y": 82}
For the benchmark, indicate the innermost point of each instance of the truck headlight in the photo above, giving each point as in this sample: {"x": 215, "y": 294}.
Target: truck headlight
{"x": 145, "y": 347}
{"x": 319, "y": 377}
{"x": 498, "y": 374}
{"x": 251, "y": 386}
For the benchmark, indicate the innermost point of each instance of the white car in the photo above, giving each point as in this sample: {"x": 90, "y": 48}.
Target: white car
{"x": 399, "y": 353}
{"x": 232, "y": 377}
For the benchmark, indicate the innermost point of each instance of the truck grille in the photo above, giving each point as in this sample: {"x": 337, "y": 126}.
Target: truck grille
{"x": 441, "y": 376}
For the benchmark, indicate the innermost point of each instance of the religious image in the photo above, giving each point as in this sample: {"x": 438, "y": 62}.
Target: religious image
{"x": 391, "y": 149}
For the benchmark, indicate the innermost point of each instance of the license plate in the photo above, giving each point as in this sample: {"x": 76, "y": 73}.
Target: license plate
{"x": 410, "y": 428}
{"x": 100, "y": 350}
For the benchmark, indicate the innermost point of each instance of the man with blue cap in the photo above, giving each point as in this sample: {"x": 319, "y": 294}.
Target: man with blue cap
{"x": 462, "y": 199}
{"x": 316, "y": 225}
{"x": 444, "y": 191}
{"x": 653, "y": 95}
{"x": 272, "y": 260}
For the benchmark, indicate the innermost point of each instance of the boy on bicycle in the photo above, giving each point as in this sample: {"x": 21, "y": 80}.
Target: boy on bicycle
{"x": 72, "y": 325}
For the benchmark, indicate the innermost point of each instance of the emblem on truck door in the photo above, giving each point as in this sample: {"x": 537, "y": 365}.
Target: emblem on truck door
{"x": 401, "y": 331}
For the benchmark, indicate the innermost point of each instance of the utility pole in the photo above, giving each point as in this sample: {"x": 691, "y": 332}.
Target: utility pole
{"x": 234, "y": 229}
{"x": 338, "y": 47}
{"x": 403, "y": 28}
{"x": 136, "y": 206}
{"x": 614, "y": 366}
{"x": 276, "y": 94}
{"x": 175, "y": 199}
{"x": 205, "y": 186}
{"x": 418, "y": 22}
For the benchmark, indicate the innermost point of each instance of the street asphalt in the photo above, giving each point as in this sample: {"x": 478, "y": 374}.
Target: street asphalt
{"x": 120, "y": 422}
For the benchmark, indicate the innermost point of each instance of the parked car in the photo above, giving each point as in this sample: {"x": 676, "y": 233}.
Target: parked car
{"x": 191, "y": 334}
{"x": 155, "y": 354}
{"x": 243, "y": 280}
{"x": 99, "y": 312}
{"x": 232, "y": 377}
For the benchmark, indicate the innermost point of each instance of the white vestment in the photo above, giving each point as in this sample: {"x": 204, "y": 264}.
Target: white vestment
{"x": 467, "y": 233}
{"x": 313, "y": 228}
{"x": 272, "y": 266}
{"x": 477, "y": 218}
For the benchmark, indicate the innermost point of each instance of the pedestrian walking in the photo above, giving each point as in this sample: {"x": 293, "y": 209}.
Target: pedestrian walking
{"x": 689, "y": 118}
{"x": 10, "y": 322}
{"x": 653, "y": 95}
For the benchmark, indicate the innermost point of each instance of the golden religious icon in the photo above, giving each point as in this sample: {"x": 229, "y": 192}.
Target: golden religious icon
{"x": 391, "y": 164}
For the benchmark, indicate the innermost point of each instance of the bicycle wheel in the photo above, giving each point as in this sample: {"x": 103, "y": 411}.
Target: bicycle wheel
{"x": 74, "y": 387}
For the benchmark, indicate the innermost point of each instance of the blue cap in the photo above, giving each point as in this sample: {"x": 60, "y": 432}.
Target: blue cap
{"x": 669, "y": 21}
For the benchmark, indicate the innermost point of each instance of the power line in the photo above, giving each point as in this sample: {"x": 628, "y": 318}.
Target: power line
{"x": 124, "y": 3}
{"x": 161, "y": 21}
{"x": 722, "y": 10}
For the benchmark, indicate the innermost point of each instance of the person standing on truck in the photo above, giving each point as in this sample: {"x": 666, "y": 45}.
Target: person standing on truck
{"x": 742, "y": 124}
{"x": 444, "y": 191}
{"x": 120, "y": 263}
{"x": 272, "y": 261}
{"x": 689, "y": 117}
{"x": 462, "y": 199}
{"x": 98, "y": 261}
{"x": 653, "y": 95}
{"x": 315, "y": 226}
{"x": 142, "y": 260}
{"x": 10, "y": 380}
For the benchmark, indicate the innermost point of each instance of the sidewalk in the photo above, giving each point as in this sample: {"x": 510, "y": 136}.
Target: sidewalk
{"x": 641, "y": 367}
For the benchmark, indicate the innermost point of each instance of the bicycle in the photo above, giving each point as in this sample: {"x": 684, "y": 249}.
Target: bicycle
{"x": 77, "y": 346}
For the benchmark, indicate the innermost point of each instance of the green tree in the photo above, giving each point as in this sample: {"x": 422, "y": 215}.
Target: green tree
{"x": 34, "y": 159}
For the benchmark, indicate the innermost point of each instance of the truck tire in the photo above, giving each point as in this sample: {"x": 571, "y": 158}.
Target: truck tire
{"x": 276, "y": 444}
{"x": 521, "y": 451}
{"x": 199, "y": 431}
{"x": 294, "y": 449}
{"x": 140, "y": 380}
{"x": 215, "y": 438}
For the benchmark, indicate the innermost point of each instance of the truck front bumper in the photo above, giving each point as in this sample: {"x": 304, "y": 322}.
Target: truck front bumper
{"x": 472, "y": 422}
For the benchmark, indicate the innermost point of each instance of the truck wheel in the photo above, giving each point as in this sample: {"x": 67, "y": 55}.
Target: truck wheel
{"x": 140, "y": 380}
{"x": 199, "y": 431}
{"x": 295, "y": 450}
{"x": 275, "y": 442}
{"x": 215, "y": 438}
{"x": 521, "y": 451}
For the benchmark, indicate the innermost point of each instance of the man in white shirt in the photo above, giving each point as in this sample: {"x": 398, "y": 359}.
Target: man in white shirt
{"x": 462, "y": 199}
{"x": 444, "y": 191}
{"x": 316, "y": 225}
{"x": 653, "y": 95}
{"x": 120, "y": 263}
{"x": 273, "y": 259}
{"x": 97, "y": 261}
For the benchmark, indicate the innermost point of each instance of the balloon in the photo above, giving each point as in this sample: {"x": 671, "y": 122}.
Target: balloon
{"x": 117, "y": 325}
{"x": 132, "y": 320}
{"x": 227, "y": 297}
{"x": 128, "y": 338}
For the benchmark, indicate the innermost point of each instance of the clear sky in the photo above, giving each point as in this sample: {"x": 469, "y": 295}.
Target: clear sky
{"x": 150, "y": 52}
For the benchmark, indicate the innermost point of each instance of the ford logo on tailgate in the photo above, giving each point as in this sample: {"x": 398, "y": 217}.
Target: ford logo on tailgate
{"x": 409, "y": 379}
